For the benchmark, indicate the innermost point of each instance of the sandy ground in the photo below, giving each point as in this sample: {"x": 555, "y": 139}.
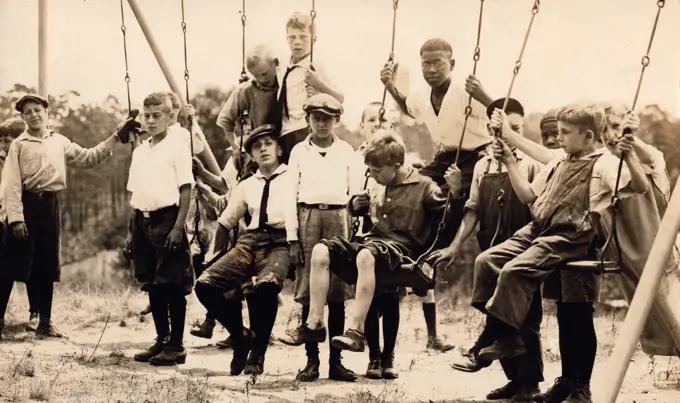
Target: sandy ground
{"x": 71, "y": 370}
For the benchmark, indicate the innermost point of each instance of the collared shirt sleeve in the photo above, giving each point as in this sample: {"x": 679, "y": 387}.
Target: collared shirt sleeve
{"x": 80, "y": 157}
{"x": 291, "y": 213}
{"x": 657, "y": 170}
{"x": 413, "y": 105}
{"x": 183, "y": 164}
{"x": 232, "y": 109}
{"x": 11, "y": 177}
{"x": 293, "y": 171}
{"x": 477, "y": 174}
{"x": 236, "y": 207}
{"x": 607, "y": 167}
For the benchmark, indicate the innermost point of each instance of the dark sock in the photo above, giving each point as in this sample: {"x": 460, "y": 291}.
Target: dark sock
{"x": 372, "y": 329}
{"x": 336, "y": 327}
{"x": 267, "y": 308}
{"x": 430, "y": 312}
{"x": 567, "y": 354}
{"x": 5, "y": 292}
{"x": 253, "y": 316}
{"x": 159, "y": 312}
{"x": 390, "y": 325}
{"x": 312, "y": 349}
{"x": 46, "y": 293}
{"x": 487, "y": 337}
{"x": 228, "y": 312}
{"x": 33, "y": 293}
{"x": 586, "y": 338}
{"x": 178, "y": 311}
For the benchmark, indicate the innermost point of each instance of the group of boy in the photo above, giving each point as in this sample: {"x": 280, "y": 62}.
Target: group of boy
{"x": 301, "y": 187}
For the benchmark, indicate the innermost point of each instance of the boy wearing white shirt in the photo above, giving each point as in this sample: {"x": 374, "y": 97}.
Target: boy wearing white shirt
{"x": 324, "y": 168}
{"x": 160, "y": 247}
{"x": 298, "y": 80}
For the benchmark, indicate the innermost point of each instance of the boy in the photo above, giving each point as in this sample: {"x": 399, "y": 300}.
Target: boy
{"x": 369, "y": 124}
{"x": 263, "y": 252}
{"x": 10, "y": 130}
{"x": 298, "y": 81}
{"x": 325, "y": 178}
{"x": 567, "y": 197}
{"x": 442, "y": 107}
{"x": 496, "y": 224}
{"x": 160, "y": 182}
{"x": 34, "y": 173}
{"x": 405, "y": 209}
{"x": 257, "y": 97}
{"x": 549, "y": 130}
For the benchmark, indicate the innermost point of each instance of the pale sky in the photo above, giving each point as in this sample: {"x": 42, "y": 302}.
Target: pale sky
{"x": 578, "y": 49}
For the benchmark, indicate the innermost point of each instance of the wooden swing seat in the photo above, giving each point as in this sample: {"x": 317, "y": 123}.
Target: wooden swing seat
{"x": 594, "y": 266}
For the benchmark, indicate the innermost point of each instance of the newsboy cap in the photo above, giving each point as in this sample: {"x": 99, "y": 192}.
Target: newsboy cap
{"x": 264, "y": 130}
{"x": 323, "y": 103}
{"x": 30, "y": 98}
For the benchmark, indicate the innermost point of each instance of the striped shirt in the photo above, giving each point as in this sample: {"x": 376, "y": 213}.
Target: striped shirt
{"x": 296, "y": 93}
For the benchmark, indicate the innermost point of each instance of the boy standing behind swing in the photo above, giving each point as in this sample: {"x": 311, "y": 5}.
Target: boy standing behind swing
{"x": 298, "y": 81}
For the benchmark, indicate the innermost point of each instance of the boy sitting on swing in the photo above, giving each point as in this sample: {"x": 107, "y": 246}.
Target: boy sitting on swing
{"x": 405, "y": 211}
{"x": 567, "y": 198}
{"x": 498, "y": 222}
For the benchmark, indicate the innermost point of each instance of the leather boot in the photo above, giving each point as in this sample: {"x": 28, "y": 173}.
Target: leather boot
{"x": 205, "y": 330}
{"x": 152, "y": 351}
{"x": 172, "y": 354}
{"x": 310, "y": 372}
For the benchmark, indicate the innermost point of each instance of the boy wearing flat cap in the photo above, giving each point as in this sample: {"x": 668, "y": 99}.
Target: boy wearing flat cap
{"x": 324, "y": 172}
{"x": 261, "y": 254}
{"x": 34, "y": 173}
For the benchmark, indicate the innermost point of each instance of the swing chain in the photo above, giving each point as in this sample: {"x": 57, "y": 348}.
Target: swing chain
{"x": 390, "y": 59}
{"x": 475, "y": 57}
{"x": 645, "y": 59}
{"x": 244, "y": 75}
{"x": 123, "y": 29}
{"x": 312, "y": 14}
{"x": 186, "y": 61}
{"x": 537, "y": 5}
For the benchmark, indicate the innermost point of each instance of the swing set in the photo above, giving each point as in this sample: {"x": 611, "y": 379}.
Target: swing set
{"x": 419, "y": 272}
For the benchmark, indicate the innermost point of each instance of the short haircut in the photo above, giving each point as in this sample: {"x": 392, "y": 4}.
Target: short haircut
{"x": 588, "y": 116}
{"x": 159, "y": 99}
{"x": 257, "y": 55}
{"x": 12, "y": 128}
{"x": 175, "y": 100}
{"x": 436, "y": 44}
{"x": 300, "y": 21}
{"x": 614, "y": 109}
{"x": 386, "y": 148}
{"x": 374, "y": 103}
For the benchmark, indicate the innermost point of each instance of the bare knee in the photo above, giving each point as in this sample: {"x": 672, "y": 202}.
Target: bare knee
{"x": 365, "y": 260}
{"x": 320, "y": 256}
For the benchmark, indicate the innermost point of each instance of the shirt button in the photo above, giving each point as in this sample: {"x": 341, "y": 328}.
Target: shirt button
{"x": 384, "y": 215}
{"x": 389, "y": 199}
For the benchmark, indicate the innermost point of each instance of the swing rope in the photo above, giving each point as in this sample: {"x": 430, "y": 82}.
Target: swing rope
{"x": 197, "y": 213}
{"x": 475, "y": 58}
{"x": 356, "y": 222}
{"x": 500, "y": 195}
{"x": 615, "y": 197}
{"x": 468, "y": 111}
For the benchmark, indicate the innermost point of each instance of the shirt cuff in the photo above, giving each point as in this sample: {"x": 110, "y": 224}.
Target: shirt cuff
{"x": 12, "y": 218}
{"x": 291, "y": 235}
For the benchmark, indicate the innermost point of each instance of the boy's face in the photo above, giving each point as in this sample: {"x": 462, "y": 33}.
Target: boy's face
{"x": 299, "y": 41}
{"x": 156, "y": 119}
{"x": 35, "y": 116}
{"x": 572, "y": 139}
{"x": 322, "y": 125}
{"x": 385, "y": 174}
{"x": 549, "y": 133}
{"x": 265, "y": 151}
{"x": 614, "y": 130}
{"x": 264, "y": 74}
{"x": 437, "y": 66}
{"x": 516, "y": 122}
{"x": 370, "y": 123}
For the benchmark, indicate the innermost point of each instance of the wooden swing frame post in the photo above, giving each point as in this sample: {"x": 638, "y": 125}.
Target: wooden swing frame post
{"x": 42, "y": 48}
{"x": 206, "y": 155}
